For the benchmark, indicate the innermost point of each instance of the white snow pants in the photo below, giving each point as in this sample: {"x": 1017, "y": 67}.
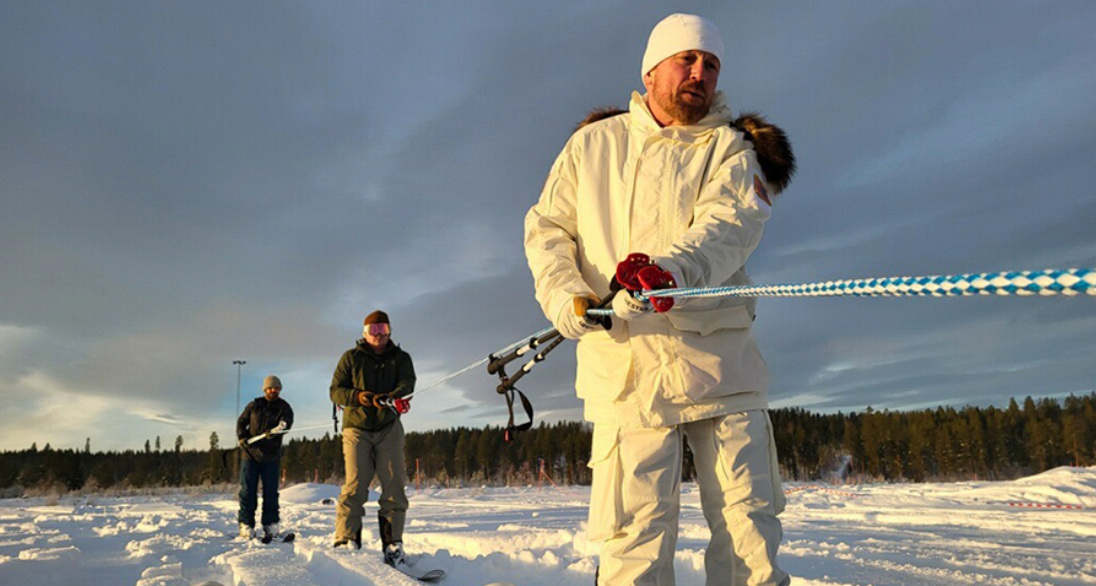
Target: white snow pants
{"x": 635, "y": 500}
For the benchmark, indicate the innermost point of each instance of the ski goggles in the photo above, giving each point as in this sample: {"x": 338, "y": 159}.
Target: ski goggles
{"x": 378, "y": 329}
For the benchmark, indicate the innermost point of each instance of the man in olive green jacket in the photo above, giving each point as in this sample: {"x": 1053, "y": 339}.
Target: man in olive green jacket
{"x": 366, "y": 381}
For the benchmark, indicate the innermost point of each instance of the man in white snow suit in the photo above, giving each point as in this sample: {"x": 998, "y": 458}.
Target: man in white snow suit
{"x": 262, "y": 459}
{"x": 368, "y": 378}
{"x": 676, "y": 179}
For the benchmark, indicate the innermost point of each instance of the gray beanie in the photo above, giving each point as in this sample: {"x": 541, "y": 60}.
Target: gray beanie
{"x": 272, "y": 381}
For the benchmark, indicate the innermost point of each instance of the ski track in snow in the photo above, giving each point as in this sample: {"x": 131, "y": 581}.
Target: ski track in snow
{"x": 880, "y": 534}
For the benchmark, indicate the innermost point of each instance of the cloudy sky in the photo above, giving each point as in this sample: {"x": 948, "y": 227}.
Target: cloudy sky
{"x": 185, "y": 184}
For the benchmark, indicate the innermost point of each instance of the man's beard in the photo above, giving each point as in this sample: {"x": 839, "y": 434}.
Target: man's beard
{"x": 675, "y": 105}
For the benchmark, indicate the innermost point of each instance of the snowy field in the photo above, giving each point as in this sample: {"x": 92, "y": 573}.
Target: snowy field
{"x": 960, "y": 533}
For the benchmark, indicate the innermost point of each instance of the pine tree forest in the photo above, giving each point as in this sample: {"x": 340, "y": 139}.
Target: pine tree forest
{"x": 945, "y": 443}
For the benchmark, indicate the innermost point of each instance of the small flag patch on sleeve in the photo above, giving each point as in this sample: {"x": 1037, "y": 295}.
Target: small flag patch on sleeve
{"x": 759, "y": 188}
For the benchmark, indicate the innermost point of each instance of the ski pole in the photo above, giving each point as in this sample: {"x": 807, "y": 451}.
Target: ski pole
{"x": 499, "y": 361}
{"x": 475, "y": 364}
{"x": 545, "y": 334}
{"x": 528, "y": 366}
{"x": 506, "y": 386}
{"x": 400, "y": 405}
{"x": 511, "y": 346}
{"x": 508, "y": 355}
{"x": 279, "y": 430}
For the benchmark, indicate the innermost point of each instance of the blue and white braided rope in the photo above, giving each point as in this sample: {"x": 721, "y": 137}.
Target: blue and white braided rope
{"x": 1046, "y": 283}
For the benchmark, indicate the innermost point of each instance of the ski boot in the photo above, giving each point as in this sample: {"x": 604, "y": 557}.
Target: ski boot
{"x": 393, "y": 554}
{"x": 270, "y": 532}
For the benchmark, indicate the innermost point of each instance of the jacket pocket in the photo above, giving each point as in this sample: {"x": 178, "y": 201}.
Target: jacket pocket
{"x": 724, "y": 363}
{"x": 603, "y": 367}
{"x": 704, "y": 319}
{"x": 606, "y": 498}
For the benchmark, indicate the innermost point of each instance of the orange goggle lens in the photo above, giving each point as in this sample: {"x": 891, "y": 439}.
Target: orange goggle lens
{"x": 378, "y": 329}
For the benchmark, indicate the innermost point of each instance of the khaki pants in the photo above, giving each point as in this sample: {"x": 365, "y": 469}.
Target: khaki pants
{"x": 635, "y": 500}
{"x": 366, "y": 453}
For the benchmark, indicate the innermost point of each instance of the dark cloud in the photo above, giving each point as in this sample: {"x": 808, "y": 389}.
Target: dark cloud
{"x": 189, "y": 184}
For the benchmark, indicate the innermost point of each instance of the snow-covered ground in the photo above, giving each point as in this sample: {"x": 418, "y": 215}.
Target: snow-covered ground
{"x": 959, "y": 533}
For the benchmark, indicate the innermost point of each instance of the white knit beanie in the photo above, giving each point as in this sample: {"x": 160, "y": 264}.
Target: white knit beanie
{"x": 681, "y": 32}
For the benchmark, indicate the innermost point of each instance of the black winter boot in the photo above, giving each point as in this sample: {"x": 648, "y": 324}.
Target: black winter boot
{"x": 355, "y": 542}
{"x": 386, "y": 531}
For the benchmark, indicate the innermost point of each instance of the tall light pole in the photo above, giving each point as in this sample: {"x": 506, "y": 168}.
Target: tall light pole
{"x": 239, "y": 364}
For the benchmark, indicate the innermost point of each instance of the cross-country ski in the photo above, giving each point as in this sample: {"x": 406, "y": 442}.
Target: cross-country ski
{"x": 418, "y": 573}
{"x": 279, "y": 538}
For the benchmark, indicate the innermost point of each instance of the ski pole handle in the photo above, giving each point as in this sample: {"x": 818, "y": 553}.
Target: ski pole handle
{"x": 397, "y": 404}
{"x": 498, "y": 362}
{"x": 280, "y": 429}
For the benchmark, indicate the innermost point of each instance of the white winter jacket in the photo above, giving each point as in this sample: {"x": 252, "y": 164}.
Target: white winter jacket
{"x": 693, "y": 198}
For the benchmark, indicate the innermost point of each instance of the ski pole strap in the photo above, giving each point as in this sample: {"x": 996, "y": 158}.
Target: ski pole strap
{"x": 1045, "y": 283}
{"x": 507, "y": 389}
{"x": 247, "y": 448}
{"x": 233, "y": 450}
{"x": 508, "y": 433}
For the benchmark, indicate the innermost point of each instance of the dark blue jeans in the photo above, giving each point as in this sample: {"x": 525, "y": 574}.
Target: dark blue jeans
{"x": 250, "y": 474}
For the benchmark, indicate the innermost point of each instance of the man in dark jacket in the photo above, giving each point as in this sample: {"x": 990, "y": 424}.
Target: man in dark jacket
{"x": 367, "y": 383}
{"x": 262, "y": 459}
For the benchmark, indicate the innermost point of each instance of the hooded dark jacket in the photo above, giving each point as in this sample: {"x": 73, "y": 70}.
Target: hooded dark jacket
{"x": 388, "y": 373}
{"x": 261, "y": 416}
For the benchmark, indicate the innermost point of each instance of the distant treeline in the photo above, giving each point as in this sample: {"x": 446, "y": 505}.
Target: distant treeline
{"x": 938, "y": 444}
{"x": 932, "y": 444}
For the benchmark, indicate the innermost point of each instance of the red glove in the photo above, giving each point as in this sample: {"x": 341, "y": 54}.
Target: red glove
{"x": 655, "y": 277}
{"x": 637, "y": 273}
{"x": 627, "y": 270}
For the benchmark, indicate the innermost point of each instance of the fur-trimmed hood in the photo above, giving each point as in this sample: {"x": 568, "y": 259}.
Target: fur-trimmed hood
{"x": 774, "y": 150}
